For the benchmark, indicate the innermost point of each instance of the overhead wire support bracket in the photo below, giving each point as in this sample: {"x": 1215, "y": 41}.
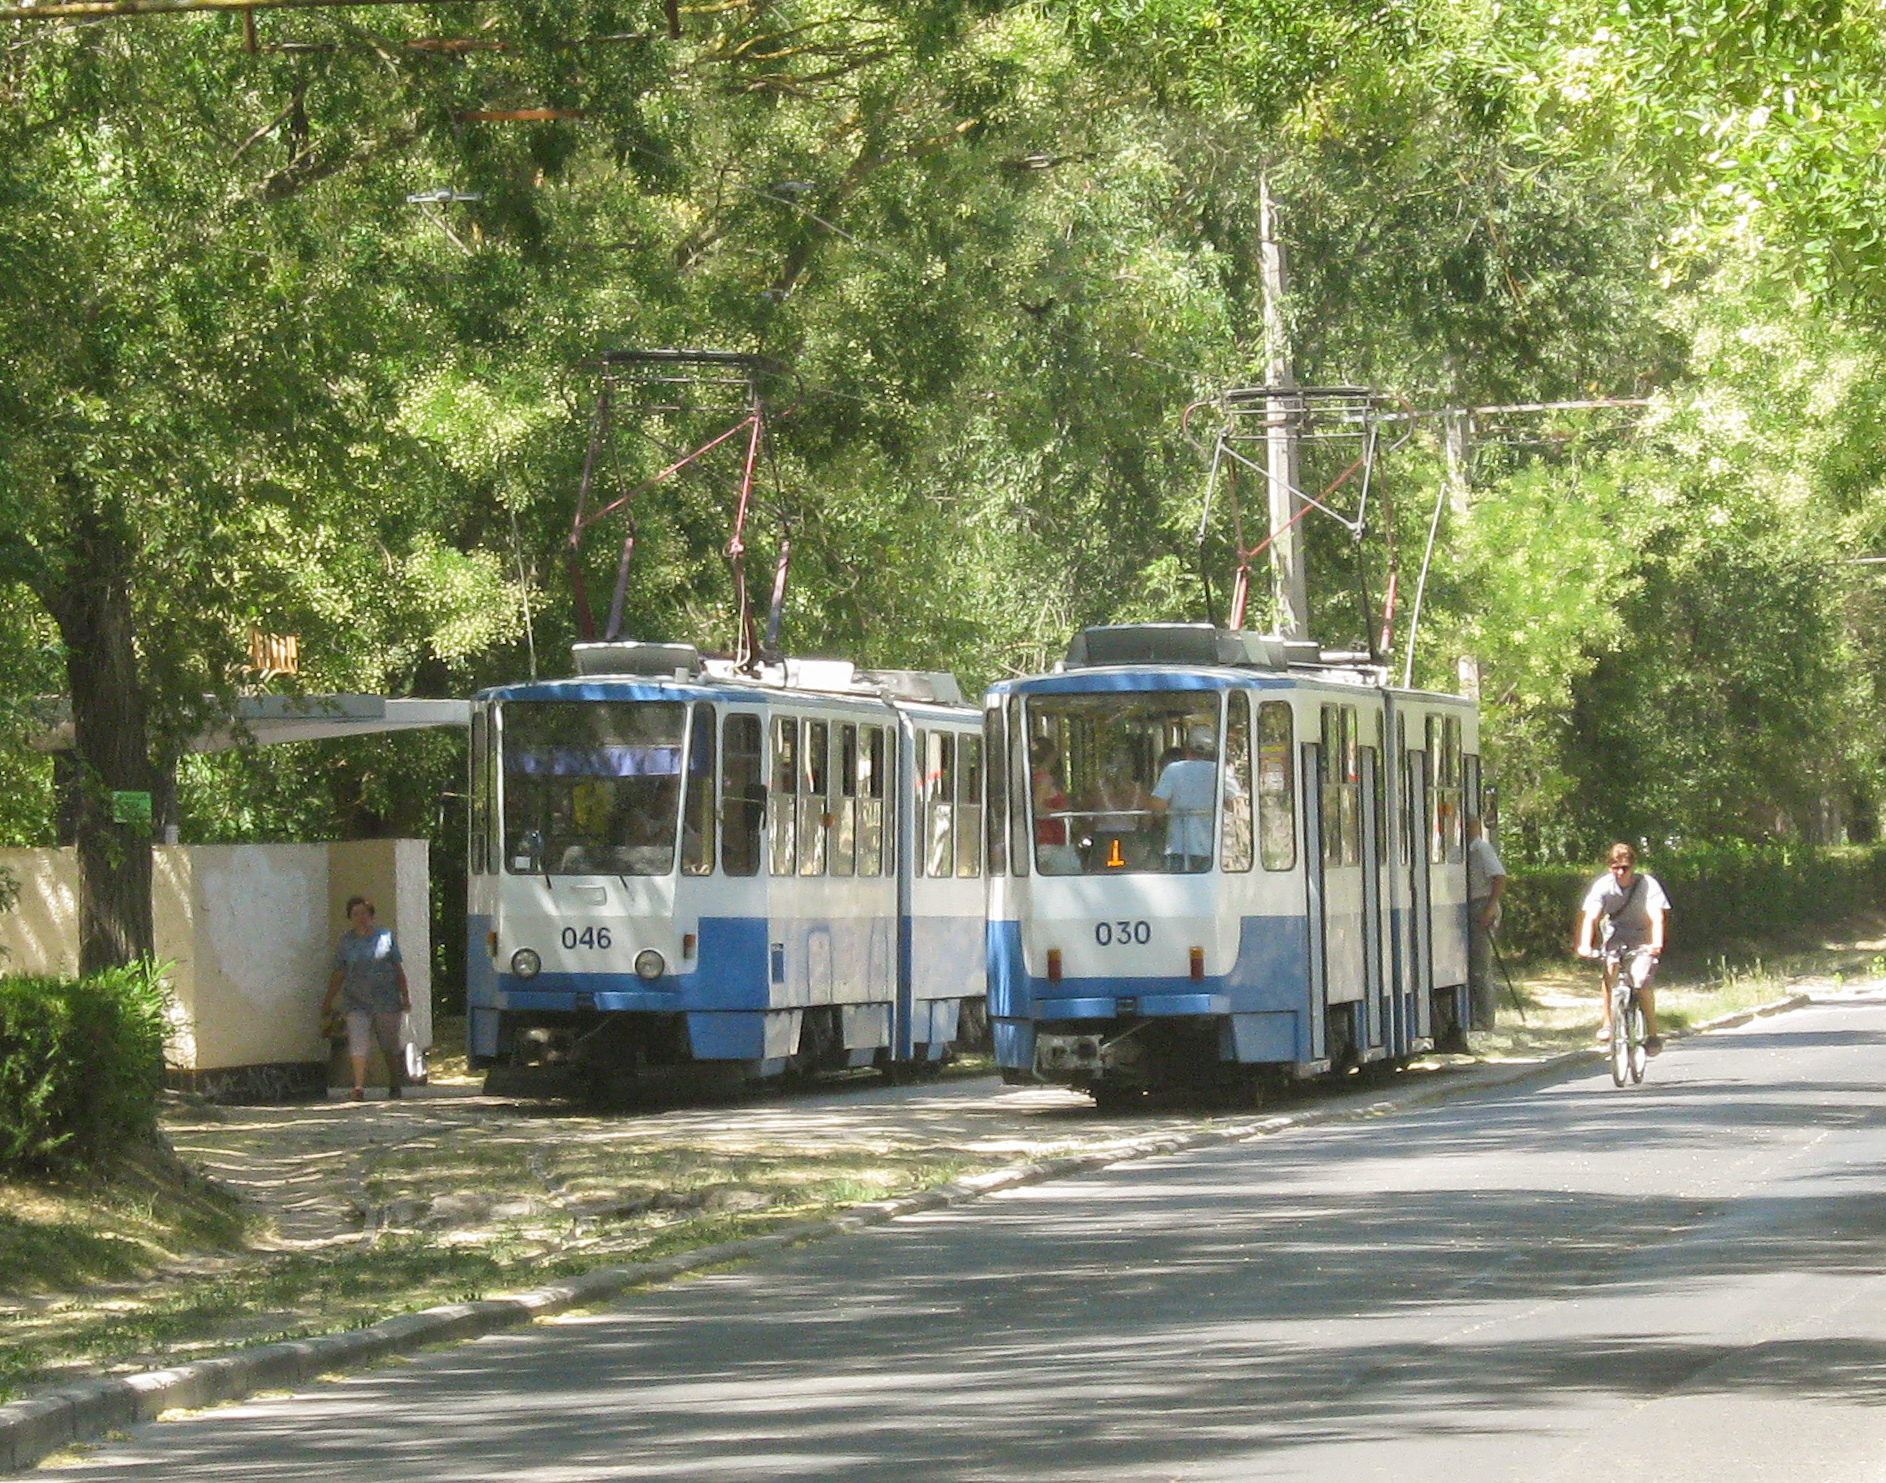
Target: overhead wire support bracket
{"x": 1317, "y": 415}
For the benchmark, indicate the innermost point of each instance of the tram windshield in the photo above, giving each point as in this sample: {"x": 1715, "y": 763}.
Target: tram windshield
{"x": 592, "y": 787}
{"x": 1123, "y": 783}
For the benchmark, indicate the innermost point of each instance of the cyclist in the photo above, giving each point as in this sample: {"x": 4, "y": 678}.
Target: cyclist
{"x": 1630, "y": 906}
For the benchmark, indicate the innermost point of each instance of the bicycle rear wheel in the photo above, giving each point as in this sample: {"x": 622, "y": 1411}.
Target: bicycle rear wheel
{"x": 1620, "y": 1032}
{"x": 1639, "y": 1056}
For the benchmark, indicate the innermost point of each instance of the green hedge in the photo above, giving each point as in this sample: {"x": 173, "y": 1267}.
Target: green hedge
{"x": 81, "y": 1063}
{"x": 1722, "y": 900}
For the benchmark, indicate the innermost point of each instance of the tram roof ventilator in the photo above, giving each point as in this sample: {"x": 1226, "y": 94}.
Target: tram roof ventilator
{"x": 1201, "y": 645}
{"x": 830, "y": 676}
{"x": 627, "y": 657}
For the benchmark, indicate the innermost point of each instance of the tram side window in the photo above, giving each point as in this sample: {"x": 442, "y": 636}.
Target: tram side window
{"x": 994, "y": 749}
{"x": 1342, "y": 787}
{"x": 814, "y": 777}
{"x": 1351, "y": 788}
{"x": 1446, "y": 843}
{"x": 1437, "y": 795}
{"x": 494, "y": 783}
{"x": 697, "y": 813}
{"x": 1332, "y": 812}
{"x": 1404, "y": 811}
{"x": 781, "y": 813}
{"x": 844, "y": 843}
{"x": 742, "y": 795}
{"x": 1020, "y": 846}
{"x": 1276, "y": 785}
{"x": 872, "y": 835}
{"x": 480, "y": 791}
{"x": 1373, "y": 753}
{"x": 1457, "y": 830}
{"x": 968, "y": 807}
{"x": 1234, "y": 846}
{"x": 919, "y": 859}
{"x": 939, "y": 777}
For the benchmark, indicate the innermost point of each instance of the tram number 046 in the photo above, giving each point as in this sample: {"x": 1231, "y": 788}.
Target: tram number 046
{"x": 1120, "y": 934}
{"x": 586, "y": 937}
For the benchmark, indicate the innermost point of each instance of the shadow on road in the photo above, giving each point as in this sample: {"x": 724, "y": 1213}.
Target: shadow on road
{"x": 1482, "y": 1267}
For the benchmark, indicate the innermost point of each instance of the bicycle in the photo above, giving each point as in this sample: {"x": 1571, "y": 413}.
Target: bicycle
{"x": 1629, "y": 1052}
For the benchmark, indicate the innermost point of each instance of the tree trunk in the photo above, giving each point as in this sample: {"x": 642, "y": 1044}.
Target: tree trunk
{"x": 90, "y": 600}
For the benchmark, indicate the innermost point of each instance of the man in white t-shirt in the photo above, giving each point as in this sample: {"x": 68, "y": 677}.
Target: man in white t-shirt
{"x": 1486, "y": 881}
{"x": 1630, "y": 907}
{"x": 1187, "y": 794}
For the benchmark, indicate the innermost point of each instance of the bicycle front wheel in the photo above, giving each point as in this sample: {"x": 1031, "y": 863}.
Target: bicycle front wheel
{"x": 1639, "y": 1055}
{"x": 1620, "y": 1037}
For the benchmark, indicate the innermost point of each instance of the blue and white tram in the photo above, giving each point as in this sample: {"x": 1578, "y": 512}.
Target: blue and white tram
{"x": 674, "y": 866}
{"x": 1215, "y": 859}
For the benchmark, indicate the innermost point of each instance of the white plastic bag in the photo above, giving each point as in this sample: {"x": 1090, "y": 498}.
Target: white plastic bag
{"x": 413, "y": 1053}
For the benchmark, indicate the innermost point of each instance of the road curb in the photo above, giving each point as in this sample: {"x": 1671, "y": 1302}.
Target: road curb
{"x": 39, "y": 1426}
{"x": 1759, "y": 1012}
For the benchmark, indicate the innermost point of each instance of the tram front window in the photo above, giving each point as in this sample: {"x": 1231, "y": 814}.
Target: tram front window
{"x": 592, "y": 787}
{"x": 1122, "y": 783}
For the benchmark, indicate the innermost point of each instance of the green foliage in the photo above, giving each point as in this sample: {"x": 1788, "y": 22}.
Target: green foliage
{"x": 1532, "y": 592}
{"x": 1539, "y": 910}
{"x": 81, "y": 1063}
{"x": 1724, "y": 899}
{"x": 995, "y": 250}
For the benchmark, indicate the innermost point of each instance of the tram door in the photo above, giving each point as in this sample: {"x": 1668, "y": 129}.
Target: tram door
{"x": 906, "y": 771}
{"x": 1420, "y": 918}
{"x": 1317, "y": 1047}
{"x": 1374, "y": 980}
{"x": 1397, "y": 880}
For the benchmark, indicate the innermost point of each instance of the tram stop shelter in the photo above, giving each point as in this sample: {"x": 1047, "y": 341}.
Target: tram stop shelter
{"x": 248, "y": 930}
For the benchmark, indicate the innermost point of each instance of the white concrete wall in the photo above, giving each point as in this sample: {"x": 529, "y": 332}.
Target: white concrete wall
{"x": 249, "y": 931}
{"x": 254, "y": 926}
{"x": 41, "y": 933}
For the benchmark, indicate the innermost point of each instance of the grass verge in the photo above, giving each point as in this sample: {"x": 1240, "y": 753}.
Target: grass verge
{"x": 110, "y": 1229}
{"x": 1558, "y": 1003}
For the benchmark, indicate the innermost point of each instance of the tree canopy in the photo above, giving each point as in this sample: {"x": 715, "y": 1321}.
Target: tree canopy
{"x": 299, "y": 318}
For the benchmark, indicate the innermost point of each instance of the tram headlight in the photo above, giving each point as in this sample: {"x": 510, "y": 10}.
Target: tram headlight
{"x": 649, "y": 964}
{"x": 525, "y": 963}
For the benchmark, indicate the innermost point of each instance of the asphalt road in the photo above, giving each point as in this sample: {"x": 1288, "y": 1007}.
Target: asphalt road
{"x": 1558, "y": 1280}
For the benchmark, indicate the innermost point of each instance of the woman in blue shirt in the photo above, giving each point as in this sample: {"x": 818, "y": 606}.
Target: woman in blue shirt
{"x": 369, "y": 982}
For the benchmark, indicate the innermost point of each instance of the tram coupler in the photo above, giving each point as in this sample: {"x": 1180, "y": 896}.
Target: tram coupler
{"x": 1084, "y": 1056}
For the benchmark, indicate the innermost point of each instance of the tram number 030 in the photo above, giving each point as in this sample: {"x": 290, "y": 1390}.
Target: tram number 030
{"x": 1120, "y": 934}
{"x": 587, "y": 937}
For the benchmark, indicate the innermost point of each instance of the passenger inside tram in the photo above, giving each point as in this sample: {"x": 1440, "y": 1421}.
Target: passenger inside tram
{"x": 1119, "y": 807}
{"x": 1184, "y": 798}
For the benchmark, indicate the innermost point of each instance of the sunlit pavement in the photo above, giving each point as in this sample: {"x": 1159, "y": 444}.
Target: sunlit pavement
{"x": 1558, "y": 1280}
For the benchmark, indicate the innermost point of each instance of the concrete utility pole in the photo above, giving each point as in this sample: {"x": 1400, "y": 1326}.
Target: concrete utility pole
{"x": 1458, "y": 429}
{"x": 1280, "y": 440}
